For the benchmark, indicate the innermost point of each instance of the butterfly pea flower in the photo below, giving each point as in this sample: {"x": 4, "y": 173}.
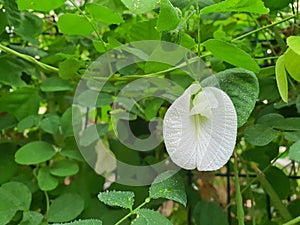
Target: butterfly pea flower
{"x": 200, "y": 129}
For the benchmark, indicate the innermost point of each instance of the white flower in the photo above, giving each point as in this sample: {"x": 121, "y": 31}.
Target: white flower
{"x": 200, "y": 128}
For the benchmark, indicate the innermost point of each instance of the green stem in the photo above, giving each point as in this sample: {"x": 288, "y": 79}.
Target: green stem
{"x": 263, "y": 28}
{"x": 265, "y": 36}
{"x": 159, "y": 73}
{"x": 147, "y": 200}
{"x": 181, "y": 26}
{"x": 256, "y": 178}
{"x": 293, "y": 221}
{"x": 199, "y": 27}
{"x": 238, "y": 195}
{"x": 264, "y": 170}
{"x": 267, "y": 58}
{"x": 123, "y": 78}
{"x": 47, "y": 203}
{"x": 29, "y": 59}
{"x": 252, "y": 209}
{"x": 90, "y": 21}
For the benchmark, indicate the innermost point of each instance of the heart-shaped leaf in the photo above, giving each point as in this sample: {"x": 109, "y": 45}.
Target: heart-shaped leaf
{"x": 241, "y": 86}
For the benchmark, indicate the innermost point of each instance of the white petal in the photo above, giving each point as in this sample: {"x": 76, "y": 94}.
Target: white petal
{"x": 201, "y": 132}
{"x": 203, "y": 104}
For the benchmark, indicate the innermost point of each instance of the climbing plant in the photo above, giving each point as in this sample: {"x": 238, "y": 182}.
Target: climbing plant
{"x": 58, "y": 161}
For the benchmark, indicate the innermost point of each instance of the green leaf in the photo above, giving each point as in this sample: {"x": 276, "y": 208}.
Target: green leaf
{"x": 152, "y": 108}
{"x": 268, "y": 89}
{"x": 259, "y": 134}
{"x": 54, "y": 84}
{"x": 7, "y": 208}
{"x": 18, "y": 193}
{"x": 7, "y": 121}
{"x": 45, "y": 180}
{"x": 279, "y": 181}
{"x": 21, "y": 103}
{"x": 83, "y": 222}
{"x": 261, "y": 155}
{"x": 64, "y": 168}
{"x": 277, "y": 5}
{"x": 66, "y": 122}
{"x": 124, "y": 199}
{"x": 294, "y": 207}
{"x": 40, "y": 5}
{"x": 8, "y": 167}
{"x": 231, "y": 54}
{"x": 294, "y": 152}
{"x": 92, "y": 133}
{"x": 143, "y": 30}
{"x": 31, "y": 218}
{"x": 71, "y": 150}
{"x": 103, "y": 14}
{"x": 168, "y": 18}
{"x": 139, "y": 7}
{"x": 172, "y": 36}
{"x": 288, "y": 124}
{"x": 251, "y": 6}
{"x": 150, "y": 217}
{"x": 25, "y": 24}
{"x": 14, "y": 196}
{"x": 281, "y": 105}
{"x": 292, "y": 136}
{"x": 169, "y": 186}
{"x": 34, "y": 152}
{"x": 28, "y": 122}
{"x": 209, "y": 213}
{"x": 99, "y": 46}
{"x": 187, "y": 41}
{"x": 87, "y": 98}
{"x": 3, "y": 22}
{"x": 50, "y": 123}
{"x": 294, "y": 43}
{"x": 266, "y": 72}
{"x": 291, "y": 62}
{"x": 74, "y": 24}
{"x": 68, "y": 69}
{"x": 269, "y": 119}
{"x": 65, "y": 208}
{"x": 241, "y": 86}
{"x": 11, "y": 70}
{"x": 281, "y": 79}
{"x": 104, "y": 99}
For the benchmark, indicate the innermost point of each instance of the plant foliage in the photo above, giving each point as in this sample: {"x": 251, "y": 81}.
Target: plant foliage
{"x": 251, "y": 50}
